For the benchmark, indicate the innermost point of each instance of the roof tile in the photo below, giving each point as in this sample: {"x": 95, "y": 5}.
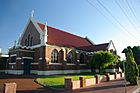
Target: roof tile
{"x": 61, "y": 38}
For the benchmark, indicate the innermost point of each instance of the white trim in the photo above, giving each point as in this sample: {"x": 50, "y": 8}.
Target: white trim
{"x": 40, "y": 58}
{"x": 24, "y": 50}
{"x": 111, "y": 43}
{"x": 37, "y": 26}
{"x": 31, "y": 63}
{"x": 4, "y": 55}
{"x": 34, "y": 63}
{"x": 18, "y": 58}
{"x": 71, "y": 64}
{"x": 13, "y": 55}
{"x": 32, "y": 47}
{"x": 16, "y": 72}
{"x": 27, "y": 57}
{"x": 88, "y": 53}
{"x": 53, "y": 72}
{"x": 45, "y": 34}
{"x": 20, "y": 38}
{"x": 39, "y": 30}
{"x": 55, "y": 63}
{"x": 34, "y": 71}
{"x": 12, "y": 63}
{"x": 35, "y": 46}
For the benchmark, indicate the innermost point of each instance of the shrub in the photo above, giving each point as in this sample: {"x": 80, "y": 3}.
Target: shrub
{"x": 103, "y": 59}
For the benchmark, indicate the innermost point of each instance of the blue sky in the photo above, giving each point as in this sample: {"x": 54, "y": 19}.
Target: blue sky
{"x": 74, "y": 16}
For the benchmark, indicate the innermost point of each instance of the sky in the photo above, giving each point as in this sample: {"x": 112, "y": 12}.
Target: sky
{"x": 99, "y": 20}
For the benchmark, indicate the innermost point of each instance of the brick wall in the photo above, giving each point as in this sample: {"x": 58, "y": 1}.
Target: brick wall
{"x": 9, "y": 88}
{"x": 83, "y": 82}
{"x": 91, "y": 81}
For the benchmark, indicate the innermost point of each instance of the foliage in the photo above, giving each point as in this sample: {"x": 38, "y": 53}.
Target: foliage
{"x": 136, "y": 53}
{"x": 139, "y": 69}
{"x": 131, "y": 70}
{"x": 58, "y": 80}
{"x": 103, "y": 59}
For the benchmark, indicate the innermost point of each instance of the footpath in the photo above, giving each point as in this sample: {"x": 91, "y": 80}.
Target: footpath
{"x": 26, "y": 84}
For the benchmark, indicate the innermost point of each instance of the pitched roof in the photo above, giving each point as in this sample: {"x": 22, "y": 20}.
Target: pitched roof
{"x": 61, "y": 38}
{"x": 94, "y": 47}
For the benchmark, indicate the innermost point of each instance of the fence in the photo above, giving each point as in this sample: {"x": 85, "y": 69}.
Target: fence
{"x": 83, "y": 82}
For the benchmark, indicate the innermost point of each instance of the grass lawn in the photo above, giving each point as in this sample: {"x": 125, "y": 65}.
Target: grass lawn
{"x": 58, "y": 80}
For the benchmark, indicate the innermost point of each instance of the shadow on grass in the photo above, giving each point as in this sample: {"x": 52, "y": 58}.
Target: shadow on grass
{"x": 58, "y": 86}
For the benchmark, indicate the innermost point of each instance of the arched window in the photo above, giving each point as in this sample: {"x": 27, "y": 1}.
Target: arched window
{"x": 54, "y": 56}
{"x": 82, "y": 58}
{"x": 31, "y": 41}
{"x": 70, "y": 57}
{"x": 28, "y": 40}
{"x": 61, "y": 56}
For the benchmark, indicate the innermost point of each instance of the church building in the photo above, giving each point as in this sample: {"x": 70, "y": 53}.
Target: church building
{"x": 45, "y": 50}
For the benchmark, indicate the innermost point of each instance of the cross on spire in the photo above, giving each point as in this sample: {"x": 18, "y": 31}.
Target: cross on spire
{"x": 32, "y": 13}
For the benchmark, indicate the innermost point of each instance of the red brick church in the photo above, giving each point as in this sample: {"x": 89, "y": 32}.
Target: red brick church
{"x": 45, "y": 50}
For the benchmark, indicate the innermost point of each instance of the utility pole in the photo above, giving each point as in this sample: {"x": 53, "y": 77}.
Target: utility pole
{"x": 124, "y": 75}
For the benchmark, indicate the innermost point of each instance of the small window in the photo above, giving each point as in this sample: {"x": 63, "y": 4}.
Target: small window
{"x": 31, "y": 42}
{"x": 70, "y": 57}
{"x": 28, "y": 40}
{"x": 54, "y": 56}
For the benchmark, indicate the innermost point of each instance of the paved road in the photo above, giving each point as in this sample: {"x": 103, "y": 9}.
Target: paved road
{"x": 26, "y": 84}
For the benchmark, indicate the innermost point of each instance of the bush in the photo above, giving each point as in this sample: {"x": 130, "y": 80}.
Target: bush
{"x": 103, "y": 59}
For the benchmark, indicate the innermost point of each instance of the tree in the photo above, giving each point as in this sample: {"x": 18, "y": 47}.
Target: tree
{"x": 103, "y": 59}
{"x": 131, "y": 70}
{"x": 136, "y": 53}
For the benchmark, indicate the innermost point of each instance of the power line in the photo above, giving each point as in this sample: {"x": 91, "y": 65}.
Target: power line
{"x": 133, "y": 10}
{"x": 99, "y": 11}
{"x": 116, "y": 20}
{"x": 105, "y": 17}
{"x": 127, "y": 16}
